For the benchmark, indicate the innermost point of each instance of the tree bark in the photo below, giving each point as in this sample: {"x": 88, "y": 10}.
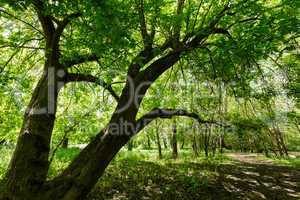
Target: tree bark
{"x": 29, "y": 165}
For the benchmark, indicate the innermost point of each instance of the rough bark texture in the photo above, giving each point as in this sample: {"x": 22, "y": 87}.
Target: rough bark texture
{"x": 29, "y": 165}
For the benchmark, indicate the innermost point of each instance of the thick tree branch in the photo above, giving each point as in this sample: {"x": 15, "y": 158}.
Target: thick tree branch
{"x": 51, "y": 33}
{"x": 45, "y": 20}
{"x": 169, "y": 113}
{"x": 61, "y": 26}
{"x": 146, "y": 56}
{"x": 72, "y": 77}
{"x": 79, "y": 59}
{"x": 158, "y": 67}
{"x": 192, "y": 41}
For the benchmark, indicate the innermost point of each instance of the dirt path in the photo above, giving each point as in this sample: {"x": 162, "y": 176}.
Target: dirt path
{"x": 253, "y": 177}
{"x": 252, "y": 158}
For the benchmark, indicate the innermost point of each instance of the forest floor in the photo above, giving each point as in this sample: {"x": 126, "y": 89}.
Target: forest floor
{"x": 235, "y": 176}
{"x": 140, "y": 175}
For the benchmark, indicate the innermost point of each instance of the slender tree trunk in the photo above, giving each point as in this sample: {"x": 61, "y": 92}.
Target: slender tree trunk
{"x": 195, "y": 146}
{"x": 174, "y": 141}
{"x": 214, "y": 145}
{"x": 158, "y": 141}
{"x": 281, "y": 141}
{"x": 207, "y": 140}
{"x": 222, "y": 143}
{"x": 148, "y": 142}
{"x": 182, "y": 144}
{"x": 165, "y": 142}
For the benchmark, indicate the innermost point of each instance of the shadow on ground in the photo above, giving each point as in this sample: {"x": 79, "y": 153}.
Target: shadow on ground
{"x": 240, "y": 180}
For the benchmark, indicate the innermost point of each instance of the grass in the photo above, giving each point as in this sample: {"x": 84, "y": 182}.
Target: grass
{"x": 291, "y": 162}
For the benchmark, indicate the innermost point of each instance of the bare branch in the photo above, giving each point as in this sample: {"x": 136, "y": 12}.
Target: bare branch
{"x": 194, "y": 40}
{"x": 23, "y": 44}
{"x": 22, "y": 47}
{"x": 167, "y": 114}
{"x": 219, "y": 16}
{"x": 9, "y": 60}
{"x": 45, "y": 20}
{"x": 74, "y": 77}
{"x": 61, "y": 26}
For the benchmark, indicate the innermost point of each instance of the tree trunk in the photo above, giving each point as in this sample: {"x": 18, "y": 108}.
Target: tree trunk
{"x": 282, "y": 142}
{"x": 222, "y": 143}
{"x": 214, "y": 145}
{"x": 29, "y": 164}
{"x": 158, "y": 142}
{"x": 165, "y": 142}
{"x": 174, "y": 141}
{"x": 82, "y": 174}
{"x": 182, "y": 144}
{"x": 195, "y": 146}
{"x": 148, "y": 142}
{"x": 206, "y": 140}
